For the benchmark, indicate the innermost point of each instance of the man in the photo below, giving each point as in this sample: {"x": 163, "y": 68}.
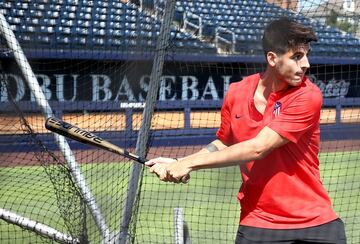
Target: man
{"x": 270, "y": 127}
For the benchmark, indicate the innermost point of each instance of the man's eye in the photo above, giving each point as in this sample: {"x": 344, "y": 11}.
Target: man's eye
{"x": 297, "y": 57}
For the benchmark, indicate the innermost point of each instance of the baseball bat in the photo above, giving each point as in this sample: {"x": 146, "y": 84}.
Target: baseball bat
{"x": 68, "y": 130}
{"x": 71, "y": 131}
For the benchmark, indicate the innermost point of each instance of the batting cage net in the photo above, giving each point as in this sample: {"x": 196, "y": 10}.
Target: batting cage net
{"x": 150, "y": 76}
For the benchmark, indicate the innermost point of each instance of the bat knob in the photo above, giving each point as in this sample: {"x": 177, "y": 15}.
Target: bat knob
{"x": 185, "y": 179}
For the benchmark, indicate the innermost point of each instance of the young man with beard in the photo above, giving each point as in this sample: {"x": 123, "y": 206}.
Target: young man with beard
{"x": 270, "y": 127}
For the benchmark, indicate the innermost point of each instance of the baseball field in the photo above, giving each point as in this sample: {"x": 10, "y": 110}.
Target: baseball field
{"x": 340, "y": 174}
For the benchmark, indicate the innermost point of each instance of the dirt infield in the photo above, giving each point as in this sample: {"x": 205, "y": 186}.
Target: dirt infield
{"x": 161, "y": 120}
{"x": 100, "y": 156}
{"x": 10, "y": 125}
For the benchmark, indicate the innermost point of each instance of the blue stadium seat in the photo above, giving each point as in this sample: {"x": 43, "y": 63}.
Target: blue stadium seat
{"x": 147, "y": 35}
{"x": 130, "y": 42}
{"x": 115, "y": 42}
{"x": 84, "y": 15}
{"x": 101, "y": 3}
{"x": 83, "y": 23}
{"x": 70, "y": 8}
{"x": 100, "y": 10}
{"x": 130, "y": 18}
{"x": 85, "y": 9}
{"x": 87, "y": 3}
{"x": 62, "y": 40}
{"x": 130, "y": 33}
{"x": 48, "y": 22}
{"x": 6, "y": 5}
{"x": 115, "y": 24}
{"x": 99, "y": 24}
{"x": 67, "y": 22}
{"x": 47, "y": 29}
{"x": 116, "y": 5}
{"x": 98, "y": 32}
{"x": 52, "y": 14}
{"x": 104, "y": 23}
{"x": 62, "y": 30}
{"x": 14, "y": 20}
{"x": 17, "y": 13}
{"x": 21, "y": 5}
{"x": 82, "y": 31}
{"x": 71, "y": 2}
{"x": 98, "y": 41}
{"x": 98, "y": 16}
{"x": 36, "y": 13}
{"x": 116, "y": 33}
{"x": 130, "y": 26}
{"x": 43, "y": 39}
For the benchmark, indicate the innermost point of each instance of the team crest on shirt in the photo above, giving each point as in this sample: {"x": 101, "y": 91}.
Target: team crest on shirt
{"x": 277, "y": 108}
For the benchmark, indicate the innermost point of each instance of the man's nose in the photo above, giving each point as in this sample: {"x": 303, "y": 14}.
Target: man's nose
{"x": 305, "y": 63}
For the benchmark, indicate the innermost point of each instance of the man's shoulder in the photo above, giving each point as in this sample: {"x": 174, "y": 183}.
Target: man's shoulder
{"x": 246, "y": 82}
{"x": 307, "y": 87}
{"x": 311, "y": 88}
{"x": 312, "y": 85}
{"x": 305, "y": 95}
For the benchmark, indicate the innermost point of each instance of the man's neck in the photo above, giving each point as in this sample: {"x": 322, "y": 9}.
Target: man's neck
{"x": 269, "y": 82}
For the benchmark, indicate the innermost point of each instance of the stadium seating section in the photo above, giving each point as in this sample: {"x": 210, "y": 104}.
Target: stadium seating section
{"x": 212, "y": 27}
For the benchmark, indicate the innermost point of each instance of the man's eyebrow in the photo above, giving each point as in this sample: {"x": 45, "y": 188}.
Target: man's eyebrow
{"x": 297, "y": 53}
{"x": 302, "y": 51}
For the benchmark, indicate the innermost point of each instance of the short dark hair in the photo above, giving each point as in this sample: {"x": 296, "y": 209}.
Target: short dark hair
{"x": 284, "y": 34}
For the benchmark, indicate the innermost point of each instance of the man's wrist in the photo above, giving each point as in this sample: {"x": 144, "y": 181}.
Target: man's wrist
{"x": 184, "y": 163}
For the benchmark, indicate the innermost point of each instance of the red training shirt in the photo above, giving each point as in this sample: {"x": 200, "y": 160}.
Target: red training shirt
{"x": 282, "y": 190}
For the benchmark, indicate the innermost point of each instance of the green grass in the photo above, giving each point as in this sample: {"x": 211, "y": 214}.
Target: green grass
{"x": 209, "y": 200}
{"x": 341, "y": 176}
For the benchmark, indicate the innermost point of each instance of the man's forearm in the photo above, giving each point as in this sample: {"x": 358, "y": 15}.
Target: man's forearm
{"x": 242, "y": 152}
{"x": 234, "y": 155}
{"x": 214, "y": 146}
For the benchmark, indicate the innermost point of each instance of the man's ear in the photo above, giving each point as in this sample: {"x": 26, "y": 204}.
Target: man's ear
{"x": 272, "y": 58}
